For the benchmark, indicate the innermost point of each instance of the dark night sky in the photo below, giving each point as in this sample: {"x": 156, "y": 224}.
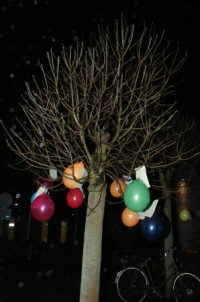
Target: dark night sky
{"x": 29, "y": 28}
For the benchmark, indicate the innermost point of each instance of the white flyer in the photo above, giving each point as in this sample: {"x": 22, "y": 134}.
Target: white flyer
{"x": 142, "y": 174}
{"x": 149, "y": 212}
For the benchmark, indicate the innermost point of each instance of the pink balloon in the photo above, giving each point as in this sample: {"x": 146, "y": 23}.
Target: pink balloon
{"x": 45, "y": 182}
{"x": 74, "y": 198}
{"x": 42, "y": 207}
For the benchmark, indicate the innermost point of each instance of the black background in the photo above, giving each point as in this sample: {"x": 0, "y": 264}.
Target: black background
{"x": 30, "y": 28}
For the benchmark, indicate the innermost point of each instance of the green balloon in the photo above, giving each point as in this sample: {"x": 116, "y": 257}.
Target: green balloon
{"x": 137, "y": 196}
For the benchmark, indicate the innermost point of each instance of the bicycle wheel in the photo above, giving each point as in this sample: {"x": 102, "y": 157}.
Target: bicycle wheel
{"x": 131, "y": 283}
{"x": 186, "y": 287}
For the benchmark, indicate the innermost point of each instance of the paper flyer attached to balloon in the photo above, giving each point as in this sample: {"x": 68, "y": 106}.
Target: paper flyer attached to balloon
{"x": 40, "y": 191}
{"x": 149, "y": 212}
{"x": 53, "y": 173}
{"x": 141, "y": 173}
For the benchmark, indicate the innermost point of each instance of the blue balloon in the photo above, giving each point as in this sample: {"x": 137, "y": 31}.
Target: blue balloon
{"x": 153, "y": 228}
{"x": 33, "y": 196}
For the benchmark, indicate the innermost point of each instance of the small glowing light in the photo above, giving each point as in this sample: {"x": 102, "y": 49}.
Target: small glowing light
{"x": 12, "y": 75}
{"x": 11, "y": 224}
{"x": 16, "y": 204}
{"x": 18, "y": 195}
{"x": 21, "y": 284}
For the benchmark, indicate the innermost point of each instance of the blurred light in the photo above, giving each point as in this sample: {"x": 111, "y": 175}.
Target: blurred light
{"x": 18, "y": 195}
{"x": 21, "y": 284}
{"x": 11, "y": 224}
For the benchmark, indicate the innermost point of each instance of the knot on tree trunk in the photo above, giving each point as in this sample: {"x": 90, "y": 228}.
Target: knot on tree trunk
{"x": 103, "y": 137}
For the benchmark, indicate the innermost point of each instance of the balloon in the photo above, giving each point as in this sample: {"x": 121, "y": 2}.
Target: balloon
{"x": 45, "y": 182}
{"x": 74, "y": 198}
{"x": 72, "y": 174}
{"x": 129, "y": 218}
{"x": 137, "y": 196}
{"x": 33, "y": 197}
{"x": 184, "y": 215}
{"x": 42, "y": 207}
{"x": 117, "y": 188}
{"x": 152, "y": 228}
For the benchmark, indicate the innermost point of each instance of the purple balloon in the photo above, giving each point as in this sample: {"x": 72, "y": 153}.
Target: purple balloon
{"x": 42, "y": 207}
{"x": 45, "y": 182}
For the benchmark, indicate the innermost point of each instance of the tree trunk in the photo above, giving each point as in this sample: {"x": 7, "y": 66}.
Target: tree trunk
{"x": 91, "y": 263}
{"x": 168, "y": 243}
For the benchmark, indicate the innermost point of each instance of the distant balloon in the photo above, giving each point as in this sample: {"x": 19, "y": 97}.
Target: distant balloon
{"x": 33, "y": 197}
{"x": 129, "y": 218}
{"x": 117, "y": 188}
{"x": 46, "y": 182}
{"x": 137, "y": 196}
{"x": 184, "y": 215}
{"x": 152, "y": 228}
{"x": 74, "y": 198}
{"x": 72, "y": 175}
{"x": 42, "y": 207}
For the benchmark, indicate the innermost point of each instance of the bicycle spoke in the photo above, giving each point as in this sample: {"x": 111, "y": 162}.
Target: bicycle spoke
{"x": 187, "y": 288}
{"x": 130, "y": 285}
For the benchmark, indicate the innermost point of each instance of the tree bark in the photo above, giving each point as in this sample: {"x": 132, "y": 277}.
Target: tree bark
{"x": 168, "y": 243}
{"x": 91, "y": 261}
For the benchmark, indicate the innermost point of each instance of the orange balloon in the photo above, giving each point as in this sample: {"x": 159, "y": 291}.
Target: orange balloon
{"x": 129, "y": 218}
{"x": 73, "y": 172}
{"x": 117, "y": 188}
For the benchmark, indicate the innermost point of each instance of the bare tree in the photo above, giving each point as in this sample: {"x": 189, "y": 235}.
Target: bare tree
{"x": 104, "y": 106}
{"x": 185, "y": 151}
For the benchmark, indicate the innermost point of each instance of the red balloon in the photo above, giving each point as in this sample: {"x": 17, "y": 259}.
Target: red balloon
{"x": 74, "y": 198}
{"x": 45, "y": 182}
{"x": 42, "y": 207}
